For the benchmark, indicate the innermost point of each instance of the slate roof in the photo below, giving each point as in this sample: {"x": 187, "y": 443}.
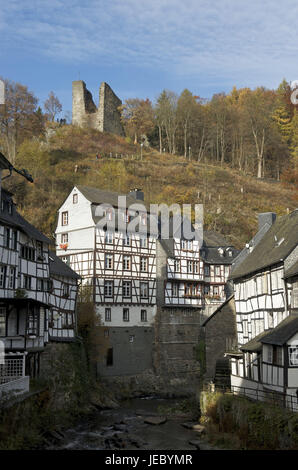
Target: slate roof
{"x": 254, "y": 345}
{"x": 16, "y": 220}
{"x": 101, "y": 196}
{"x": 273, "y": 248}
{"x": 4, "y": 163}
{"x": 292, "y": 271}
{"x": 57, "y": 266}
{"x": 282, "y": 332}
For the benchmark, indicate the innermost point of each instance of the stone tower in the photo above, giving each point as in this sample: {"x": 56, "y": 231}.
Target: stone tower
{"x": 105, "y": 118}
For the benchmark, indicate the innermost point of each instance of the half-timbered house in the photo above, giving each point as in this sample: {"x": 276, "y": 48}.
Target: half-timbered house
{"x": 26, "y": 284}
{"x": 119, "y": 265}
{"x": 265, "y": 296}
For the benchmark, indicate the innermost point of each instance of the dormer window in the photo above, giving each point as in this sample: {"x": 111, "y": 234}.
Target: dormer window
{"x": 74, "y": 198}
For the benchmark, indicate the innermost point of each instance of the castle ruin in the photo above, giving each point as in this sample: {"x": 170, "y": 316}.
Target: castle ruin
{"x": 105, "y": 118}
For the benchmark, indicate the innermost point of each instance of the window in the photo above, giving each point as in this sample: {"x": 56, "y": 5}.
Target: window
{"x": 74, "y": 198}
{"x": 177, "y": 265}
{"x": 215, "y": 290}
{"x": 108, "y": 314}
{"x": 6, "y": 237}
{"x": 27, "y": 252}
{"x": 143, "y": 315}
{"x": 188, "y": 289}
{"x": 2, "y": 321}
{"x": 64, "y": 218}
{"x": 108, "y": 261}
{"x": 106, "y": 333}
{"x": 207, "y": 270}
{"x": 189, "y": 266}
{"x": 110, "y": 357}
{"x": 131, "y": 338}
{"x": 126, "y": 262}
{"x": 27, "y": 282}
{"x": 2, "y": 276}
{"x": 65, "y": 290}
{"x": 14, "y": 242}
{"x": 49, "y": 285}
{"x": 143, "y": 264}
{"x": 126, "y": 240}
{"x": 40, "y": 284}
{"x": 126, "y": 314}
{"x": 217, "y": 270}
{"x": 196, "y": 267}
{"x": 32, "y": 326}
{"x": 277, "y": 355}
{"x": 39, "y": 251}
{"x": 11, "y": 279}
{"x": 189, "y": 244}
{"x": 108, "y": 288}
{"x": 109, "y": 237}
{"x": 293, "y": 356}
{"x": 175, "y": 289}
{"x": 144, "y": 290}
{"x": 206, "y": 290}
{"x": 183, "y": 244}
{"x": 126, "y": 289}
{"x": 64, "y": 238}
{"x": 143, "y": 242}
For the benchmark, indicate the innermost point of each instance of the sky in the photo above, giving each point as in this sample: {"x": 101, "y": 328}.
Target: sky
{"x": 141, "y": 47}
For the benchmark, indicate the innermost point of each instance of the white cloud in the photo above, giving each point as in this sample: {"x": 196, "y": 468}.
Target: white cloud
{"x": 190, "y": 38}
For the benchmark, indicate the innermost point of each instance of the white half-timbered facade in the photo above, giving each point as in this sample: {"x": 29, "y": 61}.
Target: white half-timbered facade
{"x": 265, "y": 299}
{"x": 118, "y": 264}
{"x": 27, "y": 294}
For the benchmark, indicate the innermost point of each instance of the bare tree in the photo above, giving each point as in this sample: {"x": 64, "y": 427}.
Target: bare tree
{"x": 52, "y": 106}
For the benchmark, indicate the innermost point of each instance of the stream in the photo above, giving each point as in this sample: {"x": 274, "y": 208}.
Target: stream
{"x": 125, "y": 428}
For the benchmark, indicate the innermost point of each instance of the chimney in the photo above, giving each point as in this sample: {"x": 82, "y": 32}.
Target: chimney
{"x": 266, "y": 218}
{"x": 137, "y": 194}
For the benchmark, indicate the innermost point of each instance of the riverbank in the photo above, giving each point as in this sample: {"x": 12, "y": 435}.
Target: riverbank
{"x": 147, "y": 423}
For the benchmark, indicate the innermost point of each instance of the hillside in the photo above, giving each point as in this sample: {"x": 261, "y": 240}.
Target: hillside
{"x": 67, "y": 156}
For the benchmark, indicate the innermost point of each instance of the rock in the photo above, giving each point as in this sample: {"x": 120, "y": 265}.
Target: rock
{"x": 198, "y": 428}
{"x": 155, "y": 420}
{"x": 195, "y": 443}
{"x": 188, "y": 425}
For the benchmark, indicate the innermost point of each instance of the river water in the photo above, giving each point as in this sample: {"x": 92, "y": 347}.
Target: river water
{"x": 124, "y": 428}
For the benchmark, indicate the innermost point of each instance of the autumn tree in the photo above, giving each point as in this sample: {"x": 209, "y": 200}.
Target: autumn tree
{"x": 19, "y": 119}
{"x": 52, "y": 106}
{"x": 166, "y": 119}
{"x": 137, "y": 117}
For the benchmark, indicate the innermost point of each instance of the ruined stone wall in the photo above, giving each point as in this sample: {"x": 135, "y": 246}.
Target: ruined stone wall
{"x": 105, "y": 118}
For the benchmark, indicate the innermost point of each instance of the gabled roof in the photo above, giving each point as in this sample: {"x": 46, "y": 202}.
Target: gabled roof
{"x": 292, "y": 271}
{"x": 282, "y": 332}
{"x": 273, "y": 248}
{"x": 16, "y": 220}
{"x": 101, "y": 196}
{"x": 57, "y": 266}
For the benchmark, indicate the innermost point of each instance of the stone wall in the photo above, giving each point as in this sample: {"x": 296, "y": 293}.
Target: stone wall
{"x": 219, "y": 335}
{"x": 131, "y": 351}
{"x": 105, "y": 118}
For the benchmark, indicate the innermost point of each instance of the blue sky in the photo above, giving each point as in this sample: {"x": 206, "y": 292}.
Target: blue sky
{"x": 141, "y": 47}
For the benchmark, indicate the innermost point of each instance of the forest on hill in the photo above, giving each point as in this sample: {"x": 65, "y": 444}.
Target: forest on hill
{"x": 236, "y": 154}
